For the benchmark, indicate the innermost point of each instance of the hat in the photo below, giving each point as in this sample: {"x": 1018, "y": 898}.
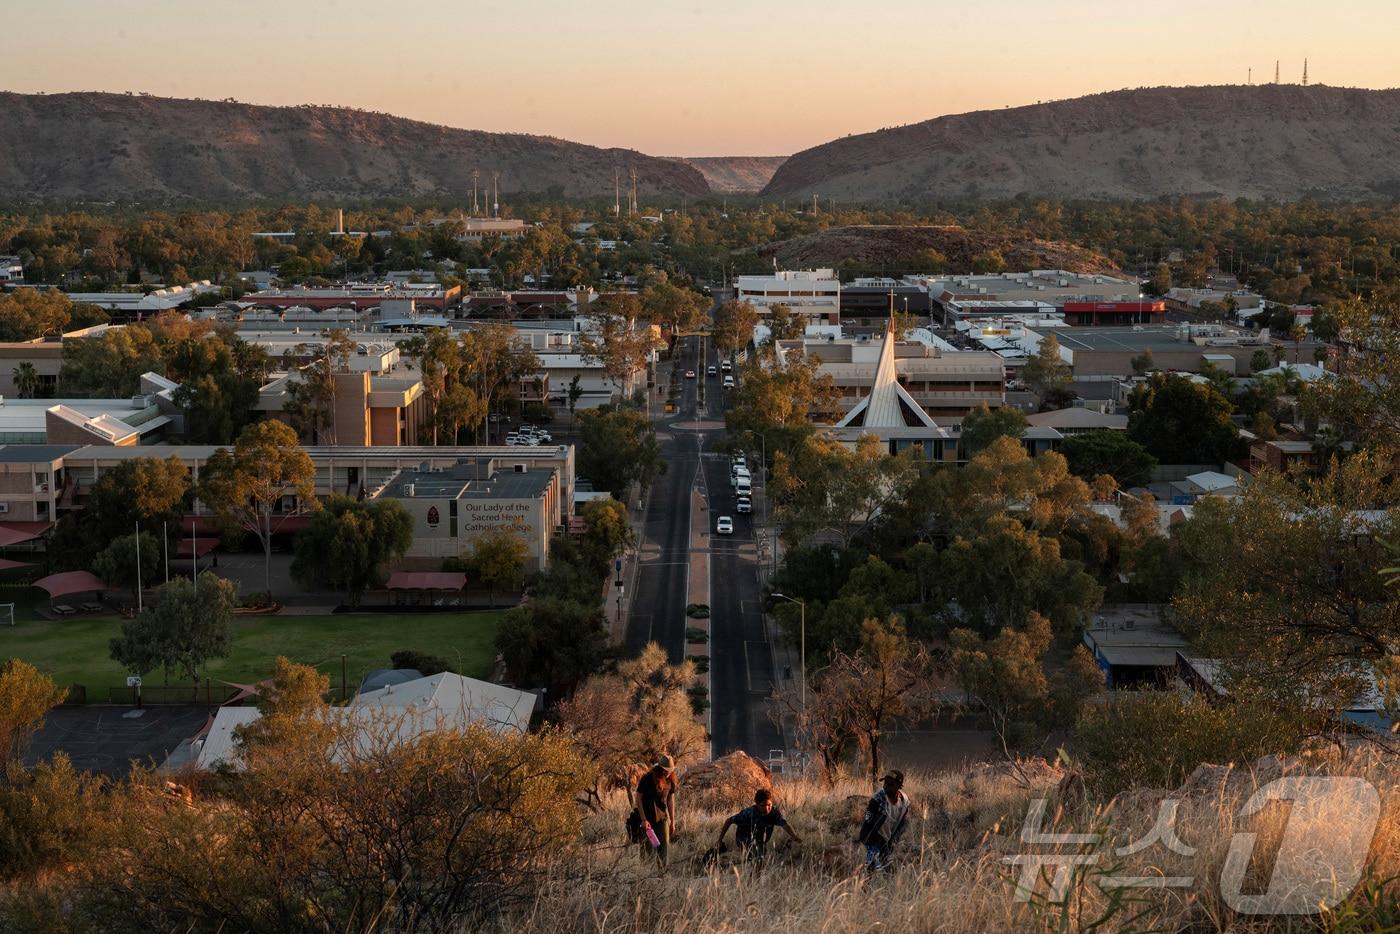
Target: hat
{"x": 894, "y": 775}
{"x": 666, "y": 762}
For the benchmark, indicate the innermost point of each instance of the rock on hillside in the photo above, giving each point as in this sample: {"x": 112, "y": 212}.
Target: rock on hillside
{"x": 1259, "y": 141}
{"x": 872, "y": 248}
{"x": 736, "y": 174}
{"x": 119, "y": 147}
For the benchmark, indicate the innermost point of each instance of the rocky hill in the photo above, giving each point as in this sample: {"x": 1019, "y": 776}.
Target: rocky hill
{"x": 873, "y": 247}
{"x": 736, "y": 174}
{"x": 117, "y": 147}
{"x": 1260, "y": 141}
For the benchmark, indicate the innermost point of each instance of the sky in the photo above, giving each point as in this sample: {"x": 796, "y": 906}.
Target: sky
{"x": 684, "y": 77}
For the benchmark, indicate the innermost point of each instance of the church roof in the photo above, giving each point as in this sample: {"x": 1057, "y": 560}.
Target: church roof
{"x": 889, "y": 404}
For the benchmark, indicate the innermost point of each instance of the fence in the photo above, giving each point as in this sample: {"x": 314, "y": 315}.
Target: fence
{"x": 208, "y": 694}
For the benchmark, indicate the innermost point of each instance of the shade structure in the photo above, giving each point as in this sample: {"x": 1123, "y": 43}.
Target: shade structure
{"x": 9, "y": 536}
{"x": 7, "y": 565}
{"x": 427, "y": 580}
{"x": 70, "y": 582}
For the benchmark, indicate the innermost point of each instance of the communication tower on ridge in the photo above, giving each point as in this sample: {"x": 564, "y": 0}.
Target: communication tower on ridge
{"x": 475, "y": 209}
{"x": 496, "y": 194}
{"x": 1305, "y": 72}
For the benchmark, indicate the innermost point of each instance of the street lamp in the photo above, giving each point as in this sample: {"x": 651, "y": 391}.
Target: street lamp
{"x": 802, "y": 607}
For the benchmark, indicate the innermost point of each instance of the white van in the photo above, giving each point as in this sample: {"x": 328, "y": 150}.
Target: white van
{"x": 743, "y": 487}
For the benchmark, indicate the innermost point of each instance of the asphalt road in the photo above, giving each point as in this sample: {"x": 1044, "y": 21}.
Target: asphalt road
{"x": 741, "y": 658}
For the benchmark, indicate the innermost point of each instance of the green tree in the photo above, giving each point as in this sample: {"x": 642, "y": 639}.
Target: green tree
{"x": 183, "y": 626}
{"x": 607, "y": 532}
{"x": 118, "y": 563}
{"x": 219, "y": 377}
{"x": 1004, "y": 676}
{"x": 349, "y": 542}
{"x": 1092, "y": 453}
{"x": 783, "y": 324}
{"x": 1161, "y": 279}
{"x": 575, "y": 393}
{"x": 618, "y": 448}
{"x": 1260, "y": 360}
{"x": 1180, "y": 421}
{"x": 244, "y": 486}
{"x": 110, "y": 366}
{"x": 733, "y": 326}
{"x": 553, "y": 643}
{"x": 622, "y": 341}
{"x": 785, "y": 397}
{"x": 498, "y": 560}
{"x": 26, "y": 380}
{"x": 493, "y": 363}
{"x": 145, "y": 490}
{"x": 1143, "y": 363}
{"x": 1046, "y": 372}
{"x": 982, "y": 426}
{"x": 673, "y": 308}
{"x": 26, "y": 697}
{"x": 310, "y": 405}
{"x": 27, "y": 314}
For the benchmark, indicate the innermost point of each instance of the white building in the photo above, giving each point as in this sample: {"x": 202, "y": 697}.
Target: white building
{"x": 814, "y": 293}
{"x": 11, "y": 269}
{"x": 135, "y": 303}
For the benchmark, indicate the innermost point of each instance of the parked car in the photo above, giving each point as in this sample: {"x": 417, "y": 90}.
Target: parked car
{"x": 725, "y": 525}
{"x": 745, "y": 505}
{"x": 513, "y": 439}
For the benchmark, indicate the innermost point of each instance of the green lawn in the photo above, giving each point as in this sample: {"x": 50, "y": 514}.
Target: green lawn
{"x": 74, "y": 651}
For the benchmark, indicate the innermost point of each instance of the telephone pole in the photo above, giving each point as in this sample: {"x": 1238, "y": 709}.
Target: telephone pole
{"x": 1305, "y": 72}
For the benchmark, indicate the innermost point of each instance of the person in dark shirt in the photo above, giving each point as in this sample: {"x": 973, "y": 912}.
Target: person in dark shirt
{"x": 656, "y": 803}
{"x": 753, "y": 826}
{"x": 886, "y": 816}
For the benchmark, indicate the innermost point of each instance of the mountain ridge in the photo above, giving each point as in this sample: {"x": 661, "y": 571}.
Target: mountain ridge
{"x": 105, "y": 146}
{"x": 1254, "y": 141}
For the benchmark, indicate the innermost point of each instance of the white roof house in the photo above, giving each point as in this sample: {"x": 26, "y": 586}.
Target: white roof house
{"x": 395, "y": 713}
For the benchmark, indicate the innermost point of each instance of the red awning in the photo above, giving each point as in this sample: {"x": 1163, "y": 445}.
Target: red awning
{"x": 427, "y": 580}
{"x": 195, "y": 547}
{"x": 7, "y": 565}
{"x": 15, "y": 536}
{"x": 24, "y": 525}
{"x": 70, "y": 582}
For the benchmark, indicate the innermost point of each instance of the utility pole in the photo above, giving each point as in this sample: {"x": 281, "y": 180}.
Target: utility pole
{"x": 1305, "y": 72}
{"x": 1275, "y": 71}
{"x": 475, "y": 173}
{"x": 496, "y": 194}
{"x": 617, "y": 193}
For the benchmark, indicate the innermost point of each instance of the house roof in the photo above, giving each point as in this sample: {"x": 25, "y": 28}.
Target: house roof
{"x": 1078, "y": 417}
{"x": 1211, "y": 481}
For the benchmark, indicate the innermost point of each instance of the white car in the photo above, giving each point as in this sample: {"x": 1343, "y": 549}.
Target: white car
{"x": 513, "y": 439}
{"x": 726, "y": 366}
{"x": 745, "y": 505}
{"x": 710, "y": 370}
{"x": 725, "y": 525}
{"x": 729, "y": 382}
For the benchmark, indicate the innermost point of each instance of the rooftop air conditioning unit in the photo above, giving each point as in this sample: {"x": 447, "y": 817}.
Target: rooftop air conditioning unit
{"x": 408, "y": 489}
{"x": 519, "y": 468}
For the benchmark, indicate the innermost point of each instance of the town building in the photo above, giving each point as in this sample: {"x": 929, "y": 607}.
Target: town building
{"x": 136, "y": 305}
{"x": 1232, "y": 301}
{"x": 941, "y": 383}
{"x": 360, "y": 295}
{"x": 475, "y": 229}
{"x": 866, "y": 303}
{"x": 1027, "y": 290}
{"x": 11, "y": 270}
{"x": 814, "y": 294}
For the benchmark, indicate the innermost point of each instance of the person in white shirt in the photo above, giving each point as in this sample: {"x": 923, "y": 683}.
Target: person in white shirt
{"x": 886, "y": 815}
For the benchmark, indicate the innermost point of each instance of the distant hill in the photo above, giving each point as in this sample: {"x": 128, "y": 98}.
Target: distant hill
{"x": 120, "y": 147}
{"x": 736, "y": 174}
{"x": 1260, "y": 141}
{"x": 873, "y": 248}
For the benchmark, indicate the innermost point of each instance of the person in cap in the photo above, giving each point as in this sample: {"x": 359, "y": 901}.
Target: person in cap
{"x": 656, "y": 803}
{"x": 753, "y": 826}
{"x": 886, "y": 815}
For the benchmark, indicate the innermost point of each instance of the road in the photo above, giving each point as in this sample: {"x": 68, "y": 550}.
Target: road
{"x": 741, "y": 658}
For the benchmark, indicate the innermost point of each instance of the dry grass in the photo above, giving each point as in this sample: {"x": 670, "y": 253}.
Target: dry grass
{"x": 951, "y": 875}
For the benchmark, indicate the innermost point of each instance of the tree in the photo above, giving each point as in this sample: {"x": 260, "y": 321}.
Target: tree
{"x": 183, "y": 626}
{"x": 674, "y": 308}
{"x": 1182, "y": 422}
{"x": 127, "y": 564}
{"x": 26, "y": 697}
{"x": 982, "y": 426}
{"x": 636, "y": 714}
{"x": 1004, "y": 675}
{"x": 219, "y": 376}
{"x": 421, "y": 662}
{"x": 734, "y": 325}
{"x": 607, "y": 532}
{"x": 783, "y": 324}
{"x": 1092, "y": 453}
{"x": 1143, "y": 363}
{"x": 498, "y": 560}
{"x": 553, "y": 643}
{"x": 493, "y": 361}
{"x": 618, "y": 448}
{"x": 1362, "y": 399}
{"x": 348, "y": 543}
{"x": 110, "y": 366}
{"x": 786, "y": 397}
{"x": 1161, "y": 279}
{"x": 621, "y": 341}
{"x": 1285, "y": 578}
{"x": 822, "y": 486}
{"x": 1046, "y": 373}
{"x": 575, "y": 393}
{"x": 27, "y": 314}
{"x": 244, "y": 486}
{"x": 1260, "y": 360}
{"x": 145, "y": 490}
{"x": 26, "y": 380}
{"x": 310, "y": 405}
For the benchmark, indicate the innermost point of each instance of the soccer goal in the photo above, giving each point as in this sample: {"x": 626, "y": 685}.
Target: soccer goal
{"x": 7, "y": 613}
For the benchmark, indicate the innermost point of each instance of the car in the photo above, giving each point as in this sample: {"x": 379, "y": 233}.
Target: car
{"x": 710, "y": 370}
{"x": 729, "y": 382}
{"x": 741, "y": 474}
{"x": 544, "y": 436}
{"x": 689, "y": 374}
{"x": 726, "y": 366}
{"x": 513, "y": 439}
{"x": 724, "y": 525}
{"x": 745, "y": 505}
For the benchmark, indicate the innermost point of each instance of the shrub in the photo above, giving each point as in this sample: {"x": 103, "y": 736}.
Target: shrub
{"x": 426, "y": 664}
{"x": 696, "y": 636}
{"x": 698, "y": 610}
